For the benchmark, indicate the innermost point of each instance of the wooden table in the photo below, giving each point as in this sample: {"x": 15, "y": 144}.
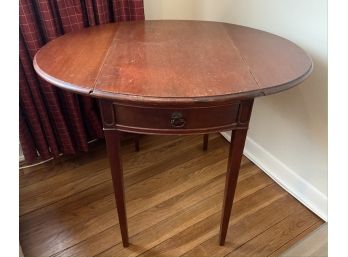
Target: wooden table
{"x": 173, "y": 77}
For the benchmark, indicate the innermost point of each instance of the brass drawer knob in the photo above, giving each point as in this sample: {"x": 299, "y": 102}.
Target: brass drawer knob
{"x": 177, "y": 120}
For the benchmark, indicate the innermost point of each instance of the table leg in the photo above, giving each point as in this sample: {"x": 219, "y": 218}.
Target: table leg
{"x": 112, "y": 138}
{"x": 205, "y": 142}
{"x": 234, "y": 159}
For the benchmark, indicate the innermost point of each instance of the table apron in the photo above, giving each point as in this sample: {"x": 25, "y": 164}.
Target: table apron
{"x": 169, "y": 120}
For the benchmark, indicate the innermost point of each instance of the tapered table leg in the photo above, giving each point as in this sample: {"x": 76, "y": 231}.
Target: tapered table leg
{"x": 205, "y": 142}
{"x": 112, "y": 138}
{"x": 234, "y": 160}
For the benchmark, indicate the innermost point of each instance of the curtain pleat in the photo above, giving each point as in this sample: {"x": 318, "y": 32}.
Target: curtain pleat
{"x": 53, "y": 121}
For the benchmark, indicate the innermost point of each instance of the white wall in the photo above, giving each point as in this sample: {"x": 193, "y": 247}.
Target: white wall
{"x": 288, "y": 132}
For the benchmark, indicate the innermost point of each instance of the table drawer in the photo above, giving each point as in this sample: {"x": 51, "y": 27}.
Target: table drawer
{"x": 172, "y": 120}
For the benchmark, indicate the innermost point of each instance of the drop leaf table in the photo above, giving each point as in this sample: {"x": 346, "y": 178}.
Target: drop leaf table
{"x": 173, "y": 77}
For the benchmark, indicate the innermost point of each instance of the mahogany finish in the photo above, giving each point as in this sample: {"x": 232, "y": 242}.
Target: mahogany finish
{"x": 170, "y": 61}
{"x": 112, "y": 139}
{"x": 185, "y": 120}
{"x": 173, "y": 77}
{"x": 73, "y": 61}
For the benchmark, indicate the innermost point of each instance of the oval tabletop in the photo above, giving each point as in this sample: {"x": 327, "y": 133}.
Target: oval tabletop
{"x": 166, "y": 61}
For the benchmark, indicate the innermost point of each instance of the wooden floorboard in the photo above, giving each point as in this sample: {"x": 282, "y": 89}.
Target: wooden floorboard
{"x": 299, "y": 238}
{"x": 314, "y": 244}
{"x": 174, "y": 196}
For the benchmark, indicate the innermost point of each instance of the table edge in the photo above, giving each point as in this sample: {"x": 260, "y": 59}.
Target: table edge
{"x": 169, "y": 100}
{"x": 201, "y": 99}
{"x": 60, "y": 83}
{"x": 153, "y": 100}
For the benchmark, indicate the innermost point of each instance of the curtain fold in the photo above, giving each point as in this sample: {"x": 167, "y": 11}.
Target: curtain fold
{"x": 53, "y": 121}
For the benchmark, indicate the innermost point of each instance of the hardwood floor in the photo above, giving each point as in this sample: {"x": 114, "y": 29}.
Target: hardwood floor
{"x": 314, "y": 244}
{"x": 174, "y": 193}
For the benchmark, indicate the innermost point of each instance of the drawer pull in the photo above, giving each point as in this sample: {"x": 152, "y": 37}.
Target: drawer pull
{"x": 177, "y": 120}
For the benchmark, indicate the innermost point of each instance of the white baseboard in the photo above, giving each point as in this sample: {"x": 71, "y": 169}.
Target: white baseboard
{"x": 303, "y": 191}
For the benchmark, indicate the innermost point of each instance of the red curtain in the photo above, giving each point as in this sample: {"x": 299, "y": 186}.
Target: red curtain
{"x": 52, "y": 121}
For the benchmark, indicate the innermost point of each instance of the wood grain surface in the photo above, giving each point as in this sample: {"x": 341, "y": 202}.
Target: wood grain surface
{"x": 67, "y": 206}
{"x": 167, "y": 61}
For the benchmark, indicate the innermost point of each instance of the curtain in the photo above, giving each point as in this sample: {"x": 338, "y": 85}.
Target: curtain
{"x": 53, "y": 121}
